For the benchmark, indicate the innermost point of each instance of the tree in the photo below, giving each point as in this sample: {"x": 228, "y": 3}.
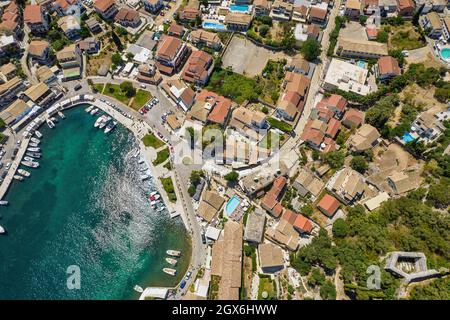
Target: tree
{"x": 307, "y": 210}
{"x": 359, "y": 164}
{"x": 439, "y": 195}
{"x": 84, "y": 32}
{"x": 232, "y": 176}
{"x": 383, "y": 37}
{"x": 328, "y": 291}
{"x": 263, "y": 30}
{"x": 311, "y": 49}
{"x": 362, "y": 20}
{"x": 340, "y": 228}
{"x": 128, "y": 88}
{"x": 316, "y": 278}
{"x": 265, "y": 110}
{"x": 117, "y": 59}
{"x": 195, "y": 177}
{"x": 335, "y": 159}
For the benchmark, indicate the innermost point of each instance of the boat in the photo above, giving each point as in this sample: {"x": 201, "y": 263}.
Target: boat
{"x": 141, "y": 161}
{"x": 4, "y": 203}
{"x": 18, "y": 177}
{"x": 104, "y": 122}
{"x": 54, "y": 119}
{"x": 144, "y": 177}
{"x": 38, "y": 134}
{"x": 34, "y": 149}
{"x": 28, "y": 158}
{"x": 61, "y": 115}
{"x": 172, "y": 261}
{"x": 99, "y": 121}
{"x": 30, "y": 164}
{"x": 89, "y": 109}
{"x": 50, "y": 123}
{"x": 138, "y": 289}
{"x": 33, "y": 154}
{"x": 170, "y": 271}
{"x": 32, "y": 144}
{"x": 160, "y": 209}
{"x": 110, "y": 126}
{"x": 2, "y": 230}
{"x": 25, "y": 173}
{"x": 35, "y": 140}
{"x": 154, "y": 197}
{"x": 93, "y": 112}
{"x": 173, "y": 253}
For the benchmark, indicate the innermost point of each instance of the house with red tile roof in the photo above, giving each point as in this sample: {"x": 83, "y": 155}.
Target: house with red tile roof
{"x": 333, "y": 127}
{"x": 171, "y": 54}
{"x": 11, "y": 20}
{"x": 353, "y": 118}
{"x": 198, "y": 68}
{"x": 387, "y": 68}
{"x": 328, "y": 205}
{"x": 335, "y": 103}
{"x": 180, "y": 93}
{"x": 153, "y": 6}
{"x": 293, "y": 98}
{"x": 176, "y": 30}
{"x": 128, "y": 17}
{"x": 317, "y": 15}
{"x": 299, "y": 221}
{"x": 371, "y": 32}
{"x": 314, "y": 133}
{"x": 35, "y": 18}
{"x": 270, "y": 201}
{"x": 68, "y": 7}
{"x": 189, "y": 14}
{"x": 106, "y": 8}
{"x": 405, "y": 7}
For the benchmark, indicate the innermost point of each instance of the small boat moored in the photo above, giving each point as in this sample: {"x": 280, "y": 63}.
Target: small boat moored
{"x": 18, "y": 177}
{"x": 170, "y": 271}
{"x": 173, "y": 253}
{"x": 38, "y": 134}
{"x": 25, "y": 173}
{"x": 171, "y": 261}
{"x": 2, "y": 230}
{"x": 30, "y": 164}
{"x": 4, "y": 203}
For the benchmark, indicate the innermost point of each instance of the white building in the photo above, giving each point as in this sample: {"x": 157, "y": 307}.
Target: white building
{"x": 347, "y": 77}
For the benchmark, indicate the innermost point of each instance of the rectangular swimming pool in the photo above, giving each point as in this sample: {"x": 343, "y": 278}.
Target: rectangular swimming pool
{"x": 232, "y": 205}
{"x": 407, "y": 137}
{"x": 239, "y": 8}
{"x": 214, "y": 26}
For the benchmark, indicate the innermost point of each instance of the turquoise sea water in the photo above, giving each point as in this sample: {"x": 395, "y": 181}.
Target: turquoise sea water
{"x": 85, "y": 206}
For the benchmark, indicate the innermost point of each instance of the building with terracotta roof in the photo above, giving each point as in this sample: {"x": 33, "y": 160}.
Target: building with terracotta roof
{"x": 271, "y": 199}
{"x": 216, "y": 108}
{"x": 90, "y": 45}
{"x": 371, "y": 32}
{"x": 70, "y": 60}
{"x": 298, "y": 221}
{"x": 9, "y": 90}
{"x": 68, "y": 7}
{"x": 293, "y": 98}
{"x": 171, "y": 54}
{"x": 45, "y": 74}
{"x": 353, "y": 9}
{"x": 299, "y": 65}
{"x": 365, "y": 138}
{"x": 405, "y": 8}
{"x": 271, "y": 258}
{"x": 11, "y": 20}
{"x": 347, "y": 185}
{"x": 317, "y": 14}
{"x": 370, "y": 6}
{"x": 300, "y": 13}
{"x": 39, "y": 51}
{"x": 254, "y": 228}
{"x": 281, "y": 10}
{"x": 148, "y": 73}
{"x": 198, "y": 68}
{"x": 106, "y": 8}
{"x": 363, "y": 49}
{"x": 128, "y": 17}
{"x": 314, "y": 133}
{"x": 328, "y": 205}
{"x": 176, "y": 30}
{"x": 189, "y": 14}
{"x": 261, "y": 8}
{"x": 353, "y": 118}
{"x": 284, "y": 234}
{"x": 202, "y": 37}
{"x": 8, "y": 71}
{"x": 40, "y": 94}
{"x": 227, "y": 261}
{"x": 15, "y": 112}
{"x": 446, "y": 28}
{"x": 248, "y": 122}
{"x": 210, "y": 205}
{"x": 387, "y": 68}
{"x": 307, "y": 184}
{"x": 153, "y": 6}
{"x": 180, "y": 93}
{"x": 35, "y": 18}
{"x": 333, "y": 127}
{"x": 432, "y": 24}
{"x": 335, "y": 103}
{"x": 238, "y": 21}
{"x": 93, "y": 25}
{"x": 70, "y": 26}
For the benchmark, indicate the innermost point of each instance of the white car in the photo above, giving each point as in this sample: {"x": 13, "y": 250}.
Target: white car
{"x": 143, "y": 86}
{"x": 405, "y": 53}
{"x": 8, "y": 165}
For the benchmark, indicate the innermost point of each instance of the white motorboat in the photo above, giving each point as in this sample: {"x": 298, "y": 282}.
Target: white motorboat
{"x": 34, "y": 149}
{"x": 93, "y": 112}
{"x": 18, "y": 177}
{"x": 30, "y": 164}
{"x": 36, "y": 155}
{"x": 160, "y": 209}
{"x": 4, "y": 203}
{"x": 28, "y": 158}
{"x": 110, "y": 126}
{"x": 138, "y": 289}
{"x": 2, "y": 230}
{"x": 61, "y": 115}
{"x": 25, "y": 173}
{"x": 144, "y": 177}
{"x": 99, "y": 121}
{"x": 35, "y": 140}
{"x": 38, "y": 134}
{"x": 34, "y": 145}
{"x": 173, "y": 253}
{"x": 50, "y": 123}
{"x": 54, "y": 119}
{"x": 172, "y": 261}
{"x": 89, "y": 109}
{"x": 170, "y": 271}
{"x": 104, "y": 122}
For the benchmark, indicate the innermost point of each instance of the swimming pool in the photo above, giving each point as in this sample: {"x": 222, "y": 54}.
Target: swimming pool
{"x": 239, "y": 8}
{"x": 445, "y": 54}
{"x": 361, "y": 64}
{"x": 232, "y": 205}
{"x": 407, "y": 137}
{"x": 214, "y": 26}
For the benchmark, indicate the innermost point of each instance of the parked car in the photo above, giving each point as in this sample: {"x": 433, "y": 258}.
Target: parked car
{"x": 8, "y": 165}
{"x": 203, "y": 238}
{"x": 143, "y": 86}
{"x": 188, "y": 275}
{"x": 182, "y": 284}
{"x": 77, "y": 87}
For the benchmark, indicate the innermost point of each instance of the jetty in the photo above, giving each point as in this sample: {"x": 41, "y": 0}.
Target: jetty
{"x": 14, "y": 166}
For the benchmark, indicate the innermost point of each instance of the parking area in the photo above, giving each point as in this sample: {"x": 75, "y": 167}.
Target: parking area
{"x": 246, "y": 58}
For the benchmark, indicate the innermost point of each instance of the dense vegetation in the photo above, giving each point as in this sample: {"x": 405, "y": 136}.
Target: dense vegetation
{"x": 439, "y": 289}
{"x": 406, "y": 224}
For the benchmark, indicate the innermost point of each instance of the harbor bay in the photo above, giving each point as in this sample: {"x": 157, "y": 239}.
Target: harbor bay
{"x": 86, "y": 206}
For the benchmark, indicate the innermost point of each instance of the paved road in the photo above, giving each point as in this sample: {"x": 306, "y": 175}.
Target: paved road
{"x": 24, "y": 58}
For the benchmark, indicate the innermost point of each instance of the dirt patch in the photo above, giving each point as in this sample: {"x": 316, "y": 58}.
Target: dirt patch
{"x": 423, "y": 96}
{"x": 248, "y": 277}
{"x": 353, "y": 30}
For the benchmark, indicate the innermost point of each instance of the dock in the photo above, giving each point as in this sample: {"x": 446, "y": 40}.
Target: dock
{"x": 14, "y": 166}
